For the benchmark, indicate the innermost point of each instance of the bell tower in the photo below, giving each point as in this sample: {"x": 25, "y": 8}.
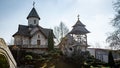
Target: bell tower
{"x": 79, "y": 33}
{"x": 33, "y": 17}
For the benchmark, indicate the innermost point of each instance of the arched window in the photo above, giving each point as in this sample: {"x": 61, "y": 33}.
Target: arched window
{"x": 34, "y": 21}
{"x": 38, "y": 36}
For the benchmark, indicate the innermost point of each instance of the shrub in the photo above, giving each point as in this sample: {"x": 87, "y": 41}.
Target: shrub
{"x": 28, "y": 57}
{"x": 111, "y": 59}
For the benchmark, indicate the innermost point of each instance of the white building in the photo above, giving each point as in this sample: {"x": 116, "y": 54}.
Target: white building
{"x": 32, "y": 37}
{"x": 102, "y": 54}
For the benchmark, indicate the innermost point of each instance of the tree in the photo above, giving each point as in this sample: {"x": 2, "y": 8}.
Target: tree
{"x": 111, "y": 60}
{"x": 50, "y": 41}
{"x": 114, "y": 37}
{"x": 60, "y": 31}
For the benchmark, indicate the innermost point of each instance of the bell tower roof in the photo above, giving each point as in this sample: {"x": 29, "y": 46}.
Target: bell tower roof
{"x": 79, "y": 23}
{"x": 79, "y": 28}
{"x": 33, "y": 13}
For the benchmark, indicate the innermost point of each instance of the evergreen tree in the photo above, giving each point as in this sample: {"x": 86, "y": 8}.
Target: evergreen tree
{"x": 111, "y": 60}
{"x": 50, "y": 41}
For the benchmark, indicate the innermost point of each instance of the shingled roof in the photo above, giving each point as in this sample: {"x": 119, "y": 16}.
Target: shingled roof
{"x": 24, "y": 31}
{"x": 79, "y": 28}
{"x": 79, "y": 23}
{"x": 33, "y": 13}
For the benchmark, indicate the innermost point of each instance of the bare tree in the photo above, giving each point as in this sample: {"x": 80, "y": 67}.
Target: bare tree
{"x": 57, "y": 32}
{"x": 60, "y": 31}
{"x": 114, "y": 37}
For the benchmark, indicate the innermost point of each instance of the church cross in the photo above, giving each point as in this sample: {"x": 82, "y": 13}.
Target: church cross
{"x": 78, "y": 16}
{"x": 33, "y": 3}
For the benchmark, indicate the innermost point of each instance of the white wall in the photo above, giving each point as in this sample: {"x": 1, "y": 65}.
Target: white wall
{"x": 100, "y": 54}
{"x": 17, "y": 40}
{"x": 31, "y": 21}
{"x": 92, "y": 51}
{"x": 25, "y": 40}
{"x": 35, "y": 38}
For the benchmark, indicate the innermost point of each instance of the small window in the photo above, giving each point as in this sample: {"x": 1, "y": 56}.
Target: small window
{"x": 38, "y": 36}
{"x": 38, "y": 42}
{"x": 34, "y": 21}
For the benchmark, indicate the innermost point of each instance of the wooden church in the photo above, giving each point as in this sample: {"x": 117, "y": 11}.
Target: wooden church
{"x": 32, "y": 37}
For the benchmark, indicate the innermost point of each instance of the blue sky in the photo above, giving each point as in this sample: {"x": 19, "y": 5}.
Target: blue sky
{"x": 95, "y": 14}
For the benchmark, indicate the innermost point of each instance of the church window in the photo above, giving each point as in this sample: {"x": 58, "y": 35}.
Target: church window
{"x": 38, "y": 42}
{"x": 38, "y": 36}
{"x": 34, "y": 21}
